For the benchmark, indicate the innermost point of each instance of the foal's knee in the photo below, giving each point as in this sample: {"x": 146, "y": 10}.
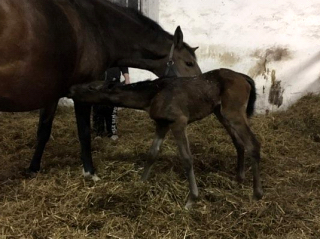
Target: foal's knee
{"x": 254, "y": 150}
{"x": 187, "y": 165}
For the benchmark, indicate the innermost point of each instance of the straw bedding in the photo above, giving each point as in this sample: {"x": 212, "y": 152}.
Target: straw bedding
{"x": 60, "y": 203}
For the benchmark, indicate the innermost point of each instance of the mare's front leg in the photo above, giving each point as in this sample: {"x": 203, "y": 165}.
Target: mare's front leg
{"x": 179, "y": 132}
{"x": 43, "y": 135}
{"x": 83, "y": 112}
{"x": 161, "y": 131}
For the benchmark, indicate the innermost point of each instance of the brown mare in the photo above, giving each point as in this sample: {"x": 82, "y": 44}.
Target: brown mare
{"x": 48, "y": 46}
{"x": 173, "y": 103}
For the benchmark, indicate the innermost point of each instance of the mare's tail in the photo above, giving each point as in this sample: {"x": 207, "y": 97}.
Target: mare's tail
{"x": 252, "y": 97}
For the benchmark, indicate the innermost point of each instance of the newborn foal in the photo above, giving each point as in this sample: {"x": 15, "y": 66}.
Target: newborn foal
{"x": 173, "y": 103}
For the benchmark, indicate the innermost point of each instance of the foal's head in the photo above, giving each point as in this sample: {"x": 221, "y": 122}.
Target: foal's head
{"x": 92, "y": 92}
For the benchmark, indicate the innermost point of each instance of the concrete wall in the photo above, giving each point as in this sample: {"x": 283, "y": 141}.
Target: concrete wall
{"x": 275, "y": 42}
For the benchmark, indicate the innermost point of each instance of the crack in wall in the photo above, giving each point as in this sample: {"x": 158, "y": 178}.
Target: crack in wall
{"x": 276, "y": 91}
{"x": 266, "y": 56}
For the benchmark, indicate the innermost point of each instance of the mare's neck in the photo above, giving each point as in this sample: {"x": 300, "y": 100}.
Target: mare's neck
{"x": 131, "y": 37}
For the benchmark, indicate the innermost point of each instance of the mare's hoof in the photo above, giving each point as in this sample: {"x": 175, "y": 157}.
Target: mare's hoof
{"x": 97, "y": 138}
{"x": 240, "y": 179}
{"x": 94, "y": 177}
{"x": 240, "y": 176}
{"x": 28, "y": 173}
{"x": 258, "y": 194}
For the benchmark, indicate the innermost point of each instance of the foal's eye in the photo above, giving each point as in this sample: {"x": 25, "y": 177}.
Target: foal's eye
{"x": 189, "y": 63}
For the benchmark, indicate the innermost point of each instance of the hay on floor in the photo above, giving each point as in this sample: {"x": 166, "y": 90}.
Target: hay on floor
{"x": 60, "y": 203}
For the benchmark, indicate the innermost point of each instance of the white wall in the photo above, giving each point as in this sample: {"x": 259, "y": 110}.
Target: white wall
{"x": 272, "y": 41}
{"x": 150, "y": 8}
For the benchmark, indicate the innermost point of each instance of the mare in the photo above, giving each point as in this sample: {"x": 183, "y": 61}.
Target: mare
{"x": 48, "y": 46}
{"x": 173, "y": 103}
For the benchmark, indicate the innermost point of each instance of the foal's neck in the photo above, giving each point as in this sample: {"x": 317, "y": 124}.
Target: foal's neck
{"x": 135, "y": 96}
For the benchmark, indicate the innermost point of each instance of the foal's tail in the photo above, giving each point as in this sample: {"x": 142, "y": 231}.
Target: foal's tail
{"x": 252, "y": 97}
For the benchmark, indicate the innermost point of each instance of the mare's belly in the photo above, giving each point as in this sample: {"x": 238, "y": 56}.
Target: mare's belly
{"x": 25, "y": 101}
{"x": 28, "y": 93}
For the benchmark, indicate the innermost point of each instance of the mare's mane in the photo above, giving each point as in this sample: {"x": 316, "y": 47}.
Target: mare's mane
{"x": 134, "y": 15}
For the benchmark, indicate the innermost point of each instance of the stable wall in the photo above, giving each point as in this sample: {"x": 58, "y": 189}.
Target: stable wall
{"x": 276, "y": 42}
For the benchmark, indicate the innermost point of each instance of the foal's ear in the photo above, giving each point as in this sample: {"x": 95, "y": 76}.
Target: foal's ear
{"x": 178, "y": 38}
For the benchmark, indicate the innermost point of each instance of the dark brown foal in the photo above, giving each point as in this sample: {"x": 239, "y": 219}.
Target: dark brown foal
{"x": 173, "y": 103}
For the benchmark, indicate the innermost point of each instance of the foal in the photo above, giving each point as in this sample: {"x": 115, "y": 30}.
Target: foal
{"x": 173, "y": 103}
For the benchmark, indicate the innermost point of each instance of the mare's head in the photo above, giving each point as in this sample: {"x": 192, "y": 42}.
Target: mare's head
{"x": 180, "y": 60}
{"x": 143, "y": 43}
{"x": 128, "y": 38}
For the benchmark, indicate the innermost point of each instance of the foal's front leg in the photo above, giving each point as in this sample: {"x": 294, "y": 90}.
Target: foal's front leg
{"x": 180, "y": 135}
{"x": 83, "y": 111}
{"x": 161, "y": 131}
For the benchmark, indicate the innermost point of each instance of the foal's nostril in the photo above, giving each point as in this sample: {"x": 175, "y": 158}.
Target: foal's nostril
{"x": 70, "y": 94}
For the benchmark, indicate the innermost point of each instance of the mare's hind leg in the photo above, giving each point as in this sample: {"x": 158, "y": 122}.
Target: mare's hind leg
{"x": 43, "y": 135}
{"x": 83, "y": 111}
{"x": 238, "y": 123}
{"x": 179, "y": 132}
{"x": 237, "y": 143}
{"x": 161, "y": 131}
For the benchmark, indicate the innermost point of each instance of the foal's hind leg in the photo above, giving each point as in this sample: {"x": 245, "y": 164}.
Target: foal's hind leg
{"x": 161, "y": 131}
{"x": 43, "y": 135}
{"x": 238, "y": 123}
{"x": 237, "y": 143}
{"x": 179, "y": 132}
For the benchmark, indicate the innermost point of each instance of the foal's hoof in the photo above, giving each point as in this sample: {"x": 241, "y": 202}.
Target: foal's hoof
{"x": 145, "y": 175}
{"x": 189, "y": 205}
{"x": 191, "y": 201}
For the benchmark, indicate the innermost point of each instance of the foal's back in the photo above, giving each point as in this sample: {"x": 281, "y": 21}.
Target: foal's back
{"x": 194, "y": 98}
{"x": 190, "y": 97}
